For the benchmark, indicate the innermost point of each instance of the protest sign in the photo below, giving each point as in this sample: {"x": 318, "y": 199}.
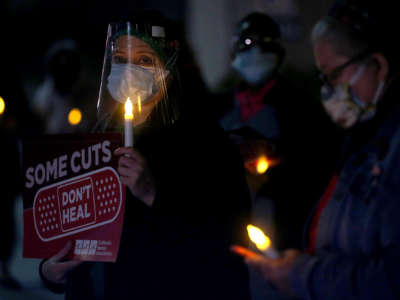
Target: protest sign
{"x": 72, "y": 191}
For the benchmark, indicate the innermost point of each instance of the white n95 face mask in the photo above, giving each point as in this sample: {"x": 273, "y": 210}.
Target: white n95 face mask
{"x": 255, "y": 66}
{"x": 129, "y": 80}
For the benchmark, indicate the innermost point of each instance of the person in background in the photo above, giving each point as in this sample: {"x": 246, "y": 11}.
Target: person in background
{"x": 16, "y": 119}
{"x": 354, "y": 235}
{"x": 270, "y": 117}
{"x": 9, "y": 184}
{"x": 187, "y": 198}
{"x": 65, "y": 87}
{"x": 286, "y": 140}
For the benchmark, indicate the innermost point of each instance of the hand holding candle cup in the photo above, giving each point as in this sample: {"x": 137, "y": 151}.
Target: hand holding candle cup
{"x": 275, "y": 271}
{"x": 272, "y": 266}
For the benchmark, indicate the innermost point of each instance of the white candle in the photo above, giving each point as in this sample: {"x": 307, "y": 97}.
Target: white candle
{"x": 262, "y": 241}
{"x": 271, "y": 253}
{"x": 128, "y": 123}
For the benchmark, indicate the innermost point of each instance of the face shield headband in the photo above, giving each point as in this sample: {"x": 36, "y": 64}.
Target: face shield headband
{"x": 153, "y": 35}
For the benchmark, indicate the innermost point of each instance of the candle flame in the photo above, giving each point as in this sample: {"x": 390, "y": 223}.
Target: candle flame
{"x": 139, "y": 104}
{"x": 74, "y": 116}
{"x": 258, "y": 237}
{"x": 128, "y": 109}
{"x": 2, "y": 105}
{"x": 262, "y": 165}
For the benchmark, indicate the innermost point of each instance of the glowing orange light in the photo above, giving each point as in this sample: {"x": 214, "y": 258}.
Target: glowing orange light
{"x": 2, "y": 105}
{"x": 74, "y": 116}
{"x": 128, "y": 109}
{"x": 262, "y": 165}
{"x": 258, "y": 237}
{"x": 139, "y": 104}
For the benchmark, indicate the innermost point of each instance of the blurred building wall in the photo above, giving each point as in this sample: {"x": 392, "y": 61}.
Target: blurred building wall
{"x": 210, "y": 26}
{"x": 209, "y": 23}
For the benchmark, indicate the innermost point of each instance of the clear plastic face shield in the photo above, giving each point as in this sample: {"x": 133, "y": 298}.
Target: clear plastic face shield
{"x": 139, "y": 66}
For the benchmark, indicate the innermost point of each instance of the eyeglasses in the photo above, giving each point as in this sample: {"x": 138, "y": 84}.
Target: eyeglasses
{"x": 336, "y": 72}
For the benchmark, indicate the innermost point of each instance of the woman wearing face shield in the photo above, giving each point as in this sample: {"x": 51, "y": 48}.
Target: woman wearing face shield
{"x": 353, "y": 235}
{"x": 186, "y": 198}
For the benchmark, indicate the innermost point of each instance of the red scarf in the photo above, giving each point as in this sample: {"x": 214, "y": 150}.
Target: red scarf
{"x": 321, "y": 205}
{"x": 251, "y": 102}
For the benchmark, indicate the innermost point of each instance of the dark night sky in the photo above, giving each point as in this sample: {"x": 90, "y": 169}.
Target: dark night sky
{"x": 30, "y": 27}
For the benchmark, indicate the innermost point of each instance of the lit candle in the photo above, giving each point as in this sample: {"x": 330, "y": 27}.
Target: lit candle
{"x": 74, "y": 116}
{"x": 262, "y": 242}
{"x": 262, "y": 165}
{"x": 128, "y": 123}
{"x": 139, "y": 104}
{"x": 2, "y": 105}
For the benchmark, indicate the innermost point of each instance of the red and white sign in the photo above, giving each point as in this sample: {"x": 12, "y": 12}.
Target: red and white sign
{"x": 72, "y": 192}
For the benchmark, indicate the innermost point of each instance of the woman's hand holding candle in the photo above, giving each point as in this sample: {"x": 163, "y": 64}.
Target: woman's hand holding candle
{"x": 135, "y": 174}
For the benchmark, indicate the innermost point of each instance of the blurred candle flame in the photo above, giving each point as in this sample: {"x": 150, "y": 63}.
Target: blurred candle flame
{"x": 139, "y": 104}
{"x": 2, "y": 105}
{"x": 258, "y": 237}
{"x": 128, "y": 109}
{"x": 74, "y": 116}
{"x": 262, "y": 165}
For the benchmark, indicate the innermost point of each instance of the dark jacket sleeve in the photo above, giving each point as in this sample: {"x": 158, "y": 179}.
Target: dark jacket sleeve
{"x": 202, "y": 185}
{"x": 203, "y": 205}
{"x": 370, "y": 276}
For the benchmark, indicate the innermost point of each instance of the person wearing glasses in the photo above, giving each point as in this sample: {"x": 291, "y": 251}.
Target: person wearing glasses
{"x": 269, "y": 116}
{"x": 272, "y": 119}
{"x": 354, "y": 233}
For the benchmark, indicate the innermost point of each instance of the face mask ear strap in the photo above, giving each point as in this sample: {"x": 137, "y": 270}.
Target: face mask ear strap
{"x": 379, "y": 91}
{"x": 172, "y": 60}
{"x": 357, "y": 75}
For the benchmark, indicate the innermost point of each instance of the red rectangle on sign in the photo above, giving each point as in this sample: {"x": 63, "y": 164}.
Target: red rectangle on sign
{"x": 76, "y": 202}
